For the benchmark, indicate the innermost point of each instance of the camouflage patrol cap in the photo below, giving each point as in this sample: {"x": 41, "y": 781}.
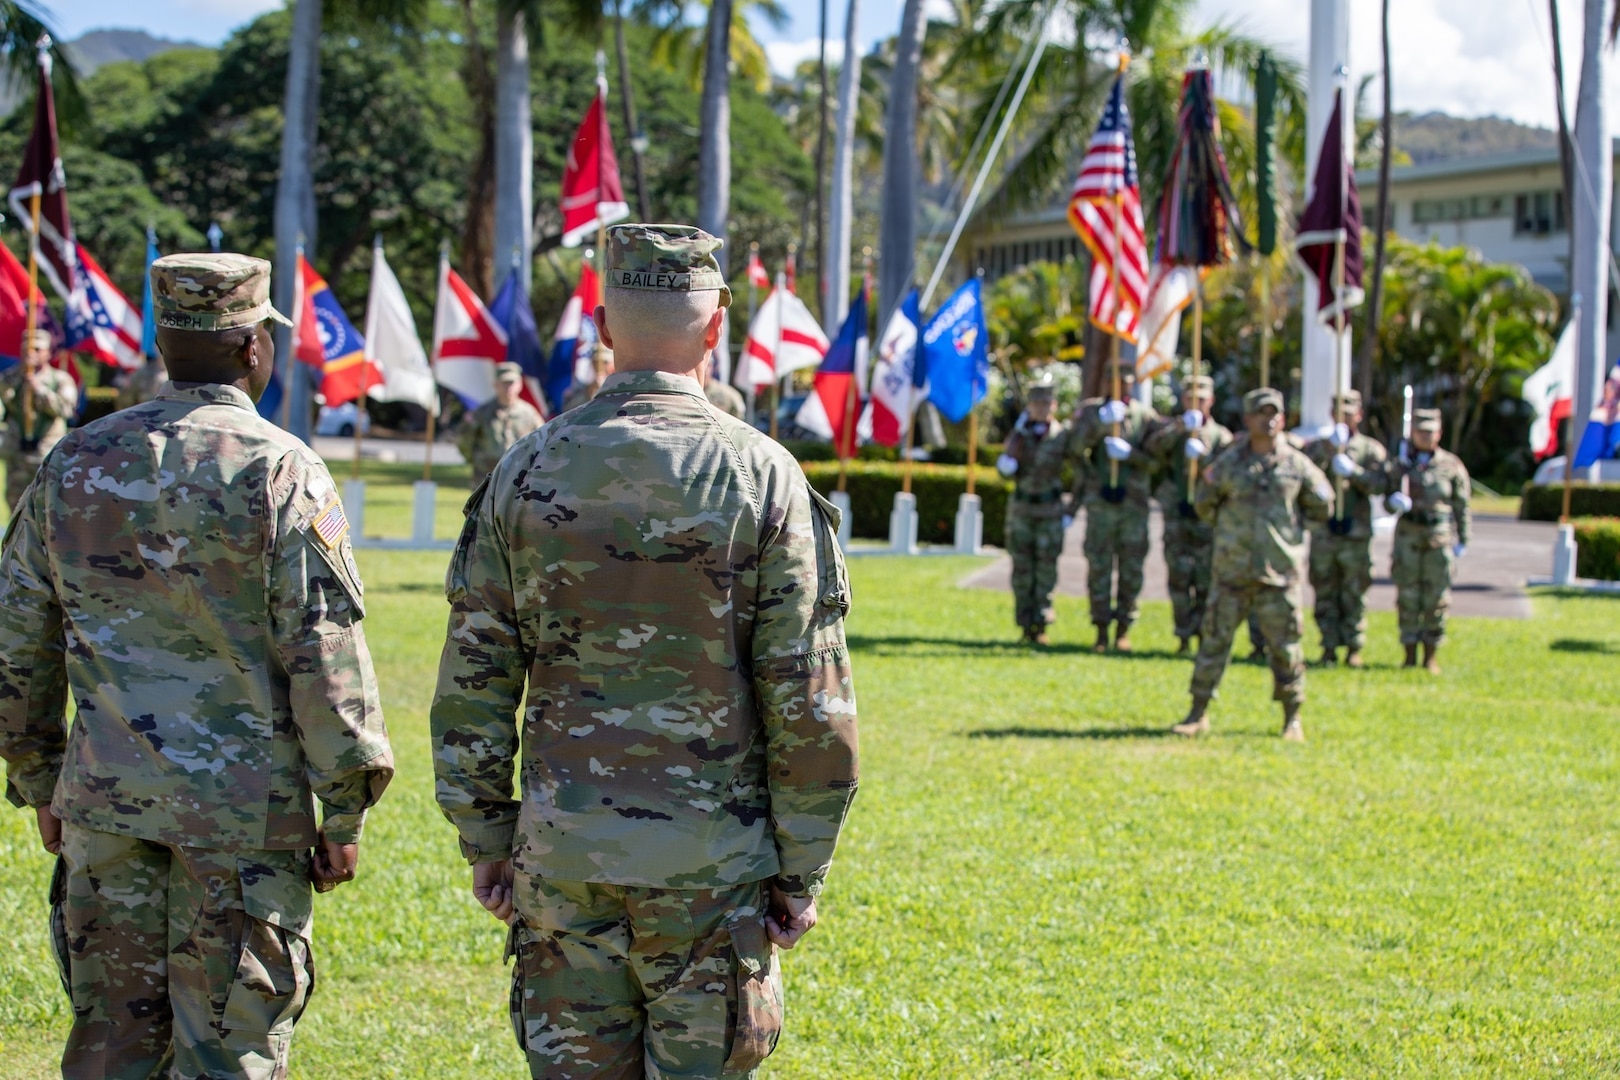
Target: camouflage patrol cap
{"x": 212, "y": 291}
{"x": 508, "y": 372}
{"x": 1042, "y": 389}
{"x": 1426, "y": 420}
{"x": 39, "y": 339}
{"x": 1255, "y": 400}
{"x": 665, "y": 258}
{"x": 1199, "y": 386}
{"x": 1349, "y": 399}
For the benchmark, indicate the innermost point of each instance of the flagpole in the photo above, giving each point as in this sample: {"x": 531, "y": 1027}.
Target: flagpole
{"x": 776, "y": 357}
{"x": 753, "y": 295}
{"x": 1113, "y": 332}
{"x": 433, "y": 413}
{"x": 292, "y": 337}
{"x": 911, "y": 440}
{"x": 1197, "y": 367}
{"x": 1265, "y": 321}
{"x": 28, "y": 417}
{"x": 846, "y": 444}
{"x": 1338, "y": 361}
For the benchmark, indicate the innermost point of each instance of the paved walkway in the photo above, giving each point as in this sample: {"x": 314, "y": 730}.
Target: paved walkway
{"x": 1489, "y": 581}
{"x": 408, "y": 451}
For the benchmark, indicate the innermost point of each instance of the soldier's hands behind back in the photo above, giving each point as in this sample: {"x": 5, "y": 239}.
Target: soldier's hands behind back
{"x": 789, "y": 918}
{"x": 492, "y": 887}
{"x": 333, "y": 864}
{"x": 50, "y": 829}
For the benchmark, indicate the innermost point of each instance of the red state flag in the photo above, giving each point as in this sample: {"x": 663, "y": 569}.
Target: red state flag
{"x": 592, "y": 191}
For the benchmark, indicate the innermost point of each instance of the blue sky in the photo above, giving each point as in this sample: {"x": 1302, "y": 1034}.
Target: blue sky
{"x": 1465, "y": 57}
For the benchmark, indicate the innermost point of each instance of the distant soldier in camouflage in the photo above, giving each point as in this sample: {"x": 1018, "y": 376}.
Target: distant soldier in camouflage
{"x": 601, "y": 368}
{"x": 1341, "y": 547}
{"x": 1430, "y": 491}
{"x": 182, "y": 569}
{"x": 1259, "y": 494}
{"x": 489, "y": 430}
{"x": 1189, "y": 543}
{"x": 652, "y": 590}
{"x": 1033, "y": 459}
{"x": 38, "y": 401}
{"x": 722, "y": 395}
{"x": 1117, "y": 509}
{"x": 143, "y": 383}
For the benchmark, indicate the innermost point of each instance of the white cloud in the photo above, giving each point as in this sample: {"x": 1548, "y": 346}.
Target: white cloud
{"x": 786, "y": 56}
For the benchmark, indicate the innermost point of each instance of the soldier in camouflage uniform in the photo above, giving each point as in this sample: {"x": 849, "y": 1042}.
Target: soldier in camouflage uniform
{"x": 1430, "y": 490}
{"x": 650, "y": 594}
{"x": 1259, "y": 495}
{"x": 1189, "y": 544}
{"x": 1341, "y": 547}
{"x": 1033, "y": 459}
{"x": 144, "y": 383}
{"x": 182, "y": 569}
{"x": 489, "y": 430}
{"x": 54, "y": 400}
{"x": 722, "y": 395}
{"x": 1117, "y": 509}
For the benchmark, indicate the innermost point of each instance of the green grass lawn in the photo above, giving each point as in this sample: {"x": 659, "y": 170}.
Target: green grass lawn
{"x": 1035, "y": 882}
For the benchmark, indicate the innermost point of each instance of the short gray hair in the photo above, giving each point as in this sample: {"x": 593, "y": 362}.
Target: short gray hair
{"x": 648, "y": 314}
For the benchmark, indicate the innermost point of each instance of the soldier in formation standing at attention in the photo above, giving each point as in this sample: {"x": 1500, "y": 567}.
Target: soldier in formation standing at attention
{"x": 1259, "y": 495}
{"x": 1033, "y": 459}
{"x": 1193, "y": 437}
{"x": 1341, "y": 547}
{"x": 488, "y": 430}
{"x": 652, "y": 589}
{"x": 38, "y": 401}
{"x": 1430, "y": 491}
{"x": 200, "y": 604}
{"x": 1114, "y": 480}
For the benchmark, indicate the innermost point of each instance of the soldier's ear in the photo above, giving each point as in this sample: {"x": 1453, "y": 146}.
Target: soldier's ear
{"x": 599, "y": 317}
{"x": 711, "y": 334}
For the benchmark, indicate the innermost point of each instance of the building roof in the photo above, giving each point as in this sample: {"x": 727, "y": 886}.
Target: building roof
{"x": 1466, "y": 166}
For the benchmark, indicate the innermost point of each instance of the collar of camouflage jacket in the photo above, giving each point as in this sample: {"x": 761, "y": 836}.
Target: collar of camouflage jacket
{"x": 649, "y": 382}
{"x": 208, "y": 394}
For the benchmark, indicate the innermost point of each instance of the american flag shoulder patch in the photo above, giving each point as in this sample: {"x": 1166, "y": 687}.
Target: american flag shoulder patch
{"x": 330, "y": 526}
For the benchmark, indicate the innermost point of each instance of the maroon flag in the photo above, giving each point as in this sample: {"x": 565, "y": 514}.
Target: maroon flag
{"x": 592, "y": 193}
{"x": 41, "y": 174}
{"x": 1334, "y": 215}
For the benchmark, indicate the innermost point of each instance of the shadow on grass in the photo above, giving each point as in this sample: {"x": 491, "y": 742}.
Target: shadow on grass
{"x": 1099, "y": 733}
{"x": 1584, "y": 645}
{"x": 409, "y": 587}
{"x": 947, "y": 646}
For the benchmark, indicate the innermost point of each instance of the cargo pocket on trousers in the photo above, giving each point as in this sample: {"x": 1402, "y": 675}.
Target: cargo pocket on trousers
{"x": 59, "y": 934}
{"x": 758, "y": 995}
{"x": 519, "y": 948}
{"x": 275, "y": 969}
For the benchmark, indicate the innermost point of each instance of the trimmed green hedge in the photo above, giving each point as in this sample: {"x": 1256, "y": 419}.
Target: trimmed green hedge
{"x": 1597, "y": 542}
{"x": 807, "y": 451}
{"x": 873, "y": 486}
{"x": 1544, "y": 502}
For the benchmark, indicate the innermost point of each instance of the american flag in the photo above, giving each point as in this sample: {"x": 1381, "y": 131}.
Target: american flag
{"x": 1108, "y": 179}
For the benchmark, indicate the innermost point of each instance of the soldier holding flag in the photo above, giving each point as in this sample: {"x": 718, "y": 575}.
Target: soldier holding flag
{"x": 1341, "y": 547}
{"x": 1033, "y": 458}
{"x": 38, "y": 401}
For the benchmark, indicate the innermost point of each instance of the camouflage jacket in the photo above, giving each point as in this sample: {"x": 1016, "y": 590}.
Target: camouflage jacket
{"x": 489, "y": 430}
{"x": 1091, "y": 461}
{"x": 1260, "y": 505}
{"x": 1370, "y": 479}
{"x": 671, "y": 590}
{"x": 1166, "y": 444}
{"x": 1038, "y": 483}
{"x": 182, "y": 568}
{"x": 1440, "y": 489}
{"x": 55, "y": 401}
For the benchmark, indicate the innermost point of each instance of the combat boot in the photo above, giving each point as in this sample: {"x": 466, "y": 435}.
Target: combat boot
{"x": 1293, "y": 730}
{"x": 1430, "y": 664}
{"x": 1102, "y": 638}
{"x": 1037, "y": 636}
{"x": 1330, "y": 656}
{"x": 1185, "y": 647}
{"x": 1411, "y": 656}
{"x": 1122, "y": 637}
{"x": 1196, "y": 722}
{"x": 1354, "y": 660}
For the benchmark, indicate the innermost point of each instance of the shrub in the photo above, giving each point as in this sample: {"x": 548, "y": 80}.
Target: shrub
{"x": 873, "y": 486}
{"x": 1544, "y": 502}
{"x": 1597, "y": 542}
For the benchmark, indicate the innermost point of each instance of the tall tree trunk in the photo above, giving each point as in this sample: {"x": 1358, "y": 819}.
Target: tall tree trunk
{"x": 1566, "y": 159}
{"x": 714, "y": 138}
{"x": 514, "y": 152}
{"x": 294, "y": 217}
{"x": 820, "y": 240}
{"x": 477, "y": 231}
{"x": 1594, "y": 184}
{"x": 1375, "y": 295}
{"x": 628, "y": 102}
{"x": 900, "y": 171}
{"x": 841, "y": 212}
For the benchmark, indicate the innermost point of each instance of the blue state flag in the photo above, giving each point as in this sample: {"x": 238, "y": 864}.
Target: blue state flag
{"x": 148, "y": 322}
{"x": 511, "y": 310}
{"x": 1601, "y": 438}
{"x": 955, "y": 353}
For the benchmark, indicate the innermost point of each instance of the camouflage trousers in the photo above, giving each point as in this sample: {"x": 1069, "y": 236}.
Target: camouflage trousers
{"x": 180, "y": 961}
{"x": 1116, "y": 542}
{"x": 1422, "y": 569}
{"x": 1278, "y": 609}
{"x": 1189, "y": 554}
{"x": 1341, "y": 573}
{"x": 20, "y": 471}
{"x": 1034, "y": 544}
{"x": 618, "y": 982}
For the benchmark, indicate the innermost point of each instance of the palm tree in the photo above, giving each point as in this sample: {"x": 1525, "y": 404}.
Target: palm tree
{"x": 1590, "y": 220}
{"x": 841, "y": 213}
{"x": 295, "y": 220}
{"x": 714, "y": 124}
{"x": 514, "y": 146}
{"x": 627, "y": 101}
{"x": 22, "y": 25}
{"x": 900, "y": 167}
{"x": 682, "y": 46}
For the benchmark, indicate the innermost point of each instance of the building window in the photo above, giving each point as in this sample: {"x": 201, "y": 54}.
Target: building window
{"x": 1462, "y": 208}
{"x": 1539, "y": 213}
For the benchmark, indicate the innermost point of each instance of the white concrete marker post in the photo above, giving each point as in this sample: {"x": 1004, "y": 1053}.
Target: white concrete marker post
{"x": 1564, "y": 556}
{"x": 354, "y": 507}
{"x": 424, "y": 503}
{"x": 969, "y": 524}
{"x": 840, "y": 499}
{"x": 903, "y": 524}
